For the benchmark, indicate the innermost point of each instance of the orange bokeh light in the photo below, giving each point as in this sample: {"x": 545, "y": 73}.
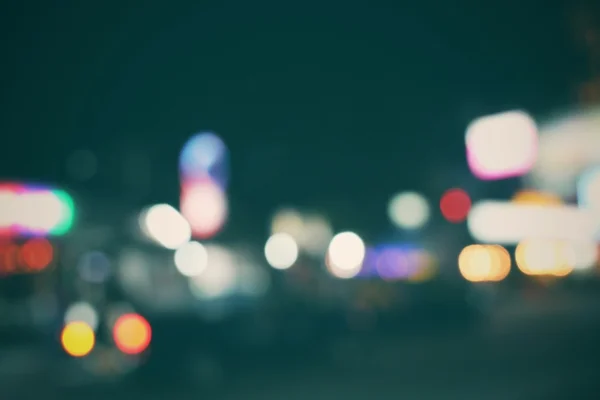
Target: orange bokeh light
{"x": 484, "y": 263}
{"x": 132, "y": 333}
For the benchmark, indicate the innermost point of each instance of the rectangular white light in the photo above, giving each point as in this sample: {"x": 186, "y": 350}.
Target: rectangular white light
{"x": 509, "y": 223}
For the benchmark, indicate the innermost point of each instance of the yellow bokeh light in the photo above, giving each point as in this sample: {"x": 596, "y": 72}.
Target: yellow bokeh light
{"x": 78, "y": 339}
{"x": 545, "y": 257}
{"x": 484, "y": 263}
{"x": 537, "y": 198}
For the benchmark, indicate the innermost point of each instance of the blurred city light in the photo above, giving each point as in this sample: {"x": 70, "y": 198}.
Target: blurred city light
{"x": 204, "y": 205}
{"x": 94, "y": 267}
{"x": 311, "y": 232}
{"x": 166, "y": 226}
{"x": 37, "y": 254}
{"x": 345, "y": 255}
{"x": 316, "y": 235}
{"x": 288, "y": 221}
{"x": 31, "y": 210}
{"x": 204, "y": 155}
{"x": 220, "y": 276}
{"x": 82, "y": 312}
{"x": 509, "y": 223}
{"x": 34, "y": 255}
{"x": 502, "y": 145}
{"x": 568, "y": 145}
{"x": 398, "y": 262}
{"x": 484, "y": 263}
{"x": 281, "y": 251}
{"x": 536, "y": 198}
{"x": 588, "y": 189}
{"x": 252, "y": 279}
{"x": 191, "y": 259}
{"x": 408, "y": 210}
{"x": 455, "y": 205}
{"x": 545, "y": 257}
{"x": 586, "y": 255}
{"x": 78, "y": 339}
{"x": 134, "y": 272}
{"x": 132, "y": 333}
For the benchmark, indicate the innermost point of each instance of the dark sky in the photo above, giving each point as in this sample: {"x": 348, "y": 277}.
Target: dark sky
{"x": 335, "y": 105}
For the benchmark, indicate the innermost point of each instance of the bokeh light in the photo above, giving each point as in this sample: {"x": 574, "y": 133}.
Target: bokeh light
{"x": 94, "y": 267}
{"x": 535, "y": 197}
{"x": 166, "y": 226}
{"x": 39, "y": 211}
{"x": 281, "y": 251}
{"x": 408, "y": 210}
{"x": 78, "y": 339}
{"x": 586, "y": 255}
{"x": 9, "y": 258}
{"x": 502, "y": 145}
{"x": 345, "y": 255}
{"x": 568, "y": 146}
{"x": 132, "y": 333}
{"x": 545, "y": 257}
{"x": 316, "y": 235}
{"x": 191, "y": 259}
{"x": 484, "y": 263}
{"x": 394, "y": 262}
{"x": 588, "y": 189}
{"x": 33, "y": 210}
{"x": 509, "y": 223}
{"x": 220, "y": 277}
{"x": 82, "y": 312}
{"x": 455, "y": 205}
{"x": 204, "y": 205}
{"x": 204, "y": 155}
{"x": 288, "y": 221}
{"x": 36, "y": 254}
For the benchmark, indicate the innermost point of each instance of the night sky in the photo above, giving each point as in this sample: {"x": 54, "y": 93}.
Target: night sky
{"x": 332, "y": 106}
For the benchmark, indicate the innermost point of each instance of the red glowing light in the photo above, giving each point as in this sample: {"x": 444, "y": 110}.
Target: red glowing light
{"x": 455, "y": 205}
{"x": 37, "y": 253}
{"x": 132, "y": 333}
{"x": 8, "y": 258}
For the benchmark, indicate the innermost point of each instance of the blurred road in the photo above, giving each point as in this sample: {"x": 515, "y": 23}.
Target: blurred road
{"x": 554, "y": 355}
